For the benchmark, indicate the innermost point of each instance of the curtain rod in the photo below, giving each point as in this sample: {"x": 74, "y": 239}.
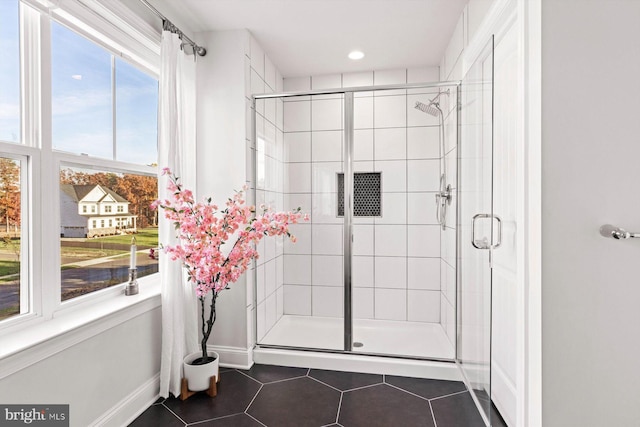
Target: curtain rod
{"x": 200, "y": 50}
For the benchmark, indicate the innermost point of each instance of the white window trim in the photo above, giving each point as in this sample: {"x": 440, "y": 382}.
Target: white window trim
{"x": 52, "y": 326}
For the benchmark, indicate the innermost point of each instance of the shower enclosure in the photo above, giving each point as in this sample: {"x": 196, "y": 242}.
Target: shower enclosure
{"x": 395, "y": 259}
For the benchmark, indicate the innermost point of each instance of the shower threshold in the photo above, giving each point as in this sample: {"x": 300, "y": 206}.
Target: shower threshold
{"x": 382, "y": 337}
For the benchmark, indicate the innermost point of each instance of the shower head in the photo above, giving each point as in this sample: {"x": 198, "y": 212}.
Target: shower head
{"x": 430, "y": 109}
{"x": 433, "y": 108}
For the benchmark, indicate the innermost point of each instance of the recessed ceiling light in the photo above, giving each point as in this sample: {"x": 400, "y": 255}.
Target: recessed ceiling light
{"x": 77, "y": 76}
{"x": 355, "y": 55}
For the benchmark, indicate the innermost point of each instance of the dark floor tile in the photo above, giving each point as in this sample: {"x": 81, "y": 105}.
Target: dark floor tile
{"x": 383, "y": 406}
{"x": 269, "y": 373}
{"x": 345, "y": 380}
{"x": 157, "y": 415}
{"x": 496, "y": 418}
{"x": 426, "y": 388}
{"x": 239, "y": 420}
{"x": 159, "y": 401}
{"x": 235, "y": 392}
{"x": 456, "y": 411}
{"x": 296, "y": 403}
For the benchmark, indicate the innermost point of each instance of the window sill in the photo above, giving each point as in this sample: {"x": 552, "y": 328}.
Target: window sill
{"x": 34, "y": 343}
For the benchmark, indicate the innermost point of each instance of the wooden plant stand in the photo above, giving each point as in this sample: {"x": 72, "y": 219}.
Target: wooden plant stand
{"x": 185, "y": 393}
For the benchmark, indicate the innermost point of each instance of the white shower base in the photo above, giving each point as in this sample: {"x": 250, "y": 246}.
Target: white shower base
{"x": 383, "y": 337}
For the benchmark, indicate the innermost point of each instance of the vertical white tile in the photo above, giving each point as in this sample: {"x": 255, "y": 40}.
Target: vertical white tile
{"x": 261, "y": 318}
{"x": 326, "y": 114}
{"x": 327, "y": 81}
{"x": 257, "y": 57}
{"x": 271, "y": 308}
{"x": 423, "y": 306}
{"x": 362, "y": 271}
{"x": 270, "y": 110}
{"x": 423, "y": 175}
{"x": 394, "y": 175}
{"x": 261, "y": 290}
{"x": 391, "y": 304}
{"x": 327, "y": 270}
{"x": 423, "y": 75}
{"x": 297, "y": 84}
{"x": 363, "y": 144}
{"x": 279, "y": 270}
{"x": 269, "y": 73}
{"x": 423, "y": 273}
{"x": 389, "y": 77}
{"x": 394, "y": 209}
{"x": 280, "y": 303}
{"x": 423, "y": 241}
{"x": 247, "y": 77}
{"x": 303, "y": 243}
{"x": 294, "y": 201}
{"x": 297, "y": 269}
{"x": 390, "y": 144}
{"x": 390, "y": 111}
{"x": 357, "y": 79}
{"x": 297, "y": 146}
{"x": 363, "y": 239}
{"x": 279, "y": 114}
{"x": 326, "y": 239}
{"x": 421, "y": 208}
{"x": 279, "y": 82}
{"x": 297, "y": 116}
{"x": 325, "y": 176}
{"x": 391, "y": 272}
{"x": 326, "y": 146}
{"x": 270, "y": 277}
{"x": 423, "y": 142}
{"x": 327, "y": 301}
{"x": 391, "y": 240}
{"x": 363, "y": 303}
{"x": 325, "y": 209}
{"x": 297, "y": 300}
{"x": 298, "y": 177}
{"x": 251, "y": 285}
{"x": 363, "y": 113}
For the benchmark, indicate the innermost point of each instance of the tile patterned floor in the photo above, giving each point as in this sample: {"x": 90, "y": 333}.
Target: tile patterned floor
{"x": 277, "y": 396}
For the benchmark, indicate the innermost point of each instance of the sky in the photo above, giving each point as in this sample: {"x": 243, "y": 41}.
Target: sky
{"x": 82, "y": 97}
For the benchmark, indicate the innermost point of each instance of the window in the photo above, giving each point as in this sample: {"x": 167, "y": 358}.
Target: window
{"x": 103, "y": 134}
{"x": 14, "y": 290}
{"x": 100, "y": 258}
{"x": 87, "y": 83}
{"x": 10, "y": 71}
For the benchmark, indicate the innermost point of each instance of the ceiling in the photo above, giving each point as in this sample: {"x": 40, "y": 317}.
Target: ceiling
{"x": 313, "y": 37}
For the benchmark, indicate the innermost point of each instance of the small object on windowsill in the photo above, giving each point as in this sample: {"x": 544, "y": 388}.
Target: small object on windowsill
{"x": 132, "y": 286}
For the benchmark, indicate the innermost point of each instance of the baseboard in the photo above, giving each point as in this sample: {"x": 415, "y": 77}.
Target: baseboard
{"x": 130, "y": 407}
{"x": 234, "y": 357}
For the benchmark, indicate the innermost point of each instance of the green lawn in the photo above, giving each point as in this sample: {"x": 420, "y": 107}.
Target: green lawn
{"x": 144, "y": 237}
{"x": 9, "y": 311}
{"x": 9, "y": 267}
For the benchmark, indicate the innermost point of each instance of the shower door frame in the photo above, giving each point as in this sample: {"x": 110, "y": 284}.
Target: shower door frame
{"x": 348, "y": 130}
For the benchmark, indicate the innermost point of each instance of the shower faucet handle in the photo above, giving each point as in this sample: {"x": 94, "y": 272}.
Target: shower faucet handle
{"x": 617, "y": 233}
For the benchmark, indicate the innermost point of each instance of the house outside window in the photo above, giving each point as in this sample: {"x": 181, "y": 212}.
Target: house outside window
{"x": 107, "y": 209}
{"x": 84, "y": 209}
{"x": 93, "y": 209}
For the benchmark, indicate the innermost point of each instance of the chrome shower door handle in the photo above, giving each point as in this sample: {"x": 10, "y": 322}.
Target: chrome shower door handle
{"x": 483, "y": 243}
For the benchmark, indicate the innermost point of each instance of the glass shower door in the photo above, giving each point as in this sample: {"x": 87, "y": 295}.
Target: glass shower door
{"x": 479, "y": 230}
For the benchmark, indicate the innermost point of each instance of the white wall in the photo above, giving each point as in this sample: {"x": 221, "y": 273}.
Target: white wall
{"x": 221, "y": 166}
{"x": 94, "y": 375}
{"x": 590, "y": 176}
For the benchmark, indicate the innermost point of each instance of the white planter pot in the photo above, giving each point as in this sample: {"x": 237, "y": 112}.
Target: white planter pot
{"x": 198, "y": 375}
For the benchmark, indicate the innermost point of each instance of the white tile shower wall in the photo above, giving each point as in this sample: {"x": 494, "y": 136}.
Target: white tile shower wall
{"x": 261, "y": 76}
{"x": 397, "y": 260}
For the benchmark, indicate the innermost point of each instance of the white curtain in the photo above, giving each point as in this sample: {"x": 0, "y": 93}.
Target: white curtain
{"x": 176, "y": 150}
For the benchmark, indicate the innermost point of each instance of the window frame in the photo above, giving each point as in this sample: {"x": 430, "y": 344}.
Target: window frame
{"x": 40, "y": 189}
